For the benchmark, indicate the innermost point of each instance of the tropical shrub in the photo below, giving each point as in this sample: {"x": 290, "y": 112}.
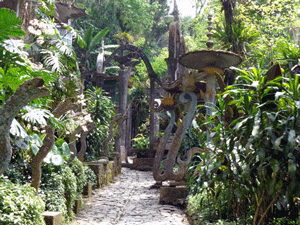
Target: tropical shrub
{"x": 19, "y": 204}
{"x": 91, "y": 177}
{"x": 18, "y": 172}
{"x": 52, "y": 190}
{"x": 70, "y": 185}
{"x": 252, "y": 170}
{"x": 102, "y": 110}
{"x": 78, "y": 170}
{"x": 141, "y": 142}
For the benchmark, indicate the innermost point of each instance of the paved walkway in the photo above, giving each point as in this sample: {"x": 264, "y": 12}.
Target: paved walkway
{"x": 129, "y": 201}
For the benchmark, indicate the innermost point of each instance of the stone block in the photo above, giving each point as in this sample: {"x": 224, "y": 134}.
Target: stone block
{"x": 77, "y": 206}
{"x": 110, "y": 171}
{"x": 142, "y": 163}
{"x": 118, "y": 164}
{"x": 173, "y": 195}
{"x": 87, "y": 190}
{"x": 99, "y": 169}
{"x": 52, "y": 218}
{"x": 123, "y": 154}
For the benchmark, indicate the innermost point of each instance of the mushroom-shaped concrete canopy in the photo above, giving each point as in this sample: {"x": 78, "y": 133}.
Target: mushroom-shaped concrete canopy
{"x": 209, "y": 59}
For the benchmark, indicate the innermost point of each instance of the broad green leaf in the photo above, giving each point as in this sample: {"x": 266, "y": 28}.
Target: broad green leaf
{"x": 36, "y": 140}
{"x": 292, "y": 166}
{"x": 97, "y": 38}
{"x": 278, "y": 143}
{"x": 66, "y": 150}
{"x": 21, "y": 144}
{"x": 291, "y": 138}
{"x": 48, "y": 157}
{"x": 36, "y": 115}
{"x": 17, "y": 129}
{"x": 34, "y": 149}
{"x": 54, "y": 150}
{"x": 256, "y": 127}
{"x": 88, "y": 36}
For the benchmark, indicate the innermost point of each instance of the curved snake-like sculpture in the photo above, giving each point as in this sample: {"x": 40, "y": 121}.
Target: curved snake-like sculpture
{"x": 190, "y": 99}
{"x": 143, "y": 56}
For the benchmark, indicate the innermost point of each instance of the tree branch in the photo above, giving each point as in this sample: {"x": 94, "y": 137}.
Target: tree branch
{"x": 63, "y": 107}
{"x": 26, "y": 92}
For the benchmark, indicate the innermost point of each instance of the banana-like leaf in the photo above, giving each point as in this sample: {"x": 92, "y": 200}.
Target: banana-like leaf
{"x": 97, "y": 38}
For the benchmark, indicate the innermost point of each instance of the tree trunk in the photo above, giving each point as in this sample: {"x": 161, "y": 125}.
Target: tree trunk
{"x": 28, "y": 91}
{"x": 72, "y": 143}
{"x": 228, "y": 6}
{"x": 84, "y": 134}
{"x": 63, "y": 107}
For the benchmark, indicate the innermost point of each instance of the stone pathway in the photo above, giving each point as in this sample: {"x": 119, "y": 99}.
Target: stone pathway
{"x": 129, "y": 201}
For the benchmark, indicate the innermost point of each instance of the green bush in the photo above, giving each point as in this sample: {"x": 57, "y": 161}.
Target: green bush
{"x": 90, "y": 176}
{"x": 52, "y": 191}
{"x": 70, "y": 185}
{"x": 99, "y": 106}
{"x": 77, "y": 168}
{"x": 14, "y": 172}
{"x": 19, "y": 204}
{"x": 141, "y": 142}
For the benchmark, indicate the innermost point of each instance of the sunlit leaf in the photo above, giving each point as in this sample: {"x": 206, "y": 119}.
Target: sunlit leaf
{"x": 17, "y": 129}
{"x": 34, "y": 149}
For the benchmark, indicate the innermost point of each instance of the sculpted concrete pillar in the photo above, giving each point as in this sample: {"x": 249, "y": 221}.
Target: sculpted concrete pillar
{"x": 124, "y": 75}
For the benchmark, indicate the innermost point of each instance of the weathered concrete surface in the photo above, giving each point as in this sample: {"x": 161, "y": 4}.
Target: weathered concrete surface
{"x": 129, "y": 201}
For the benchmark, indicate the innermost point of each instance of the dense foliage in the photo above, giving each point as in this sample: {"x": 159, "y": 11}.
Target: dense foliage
{"x": 78, "y": 170}
{"x": 100, "y": 106}
{"x": 19, "y": 204}
{"x": 249, "y": 172}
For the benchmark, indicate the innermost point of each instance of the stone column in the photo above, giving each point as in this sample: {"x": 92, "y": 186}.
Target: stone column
{"x": 153, "y": 131}
{"x": 128, "y": 130}
{"x": 124, "y": 75}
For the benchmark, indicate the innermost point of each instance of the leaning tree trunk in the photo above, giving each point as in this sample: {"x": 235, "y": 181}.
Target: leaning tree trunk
{"x": 63, "y": 107}
{"x": 84, "y": 134}
{"x": 28, "y": 91}
{"x": 72, "y": 144}
{"x": 116, "y": 118}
